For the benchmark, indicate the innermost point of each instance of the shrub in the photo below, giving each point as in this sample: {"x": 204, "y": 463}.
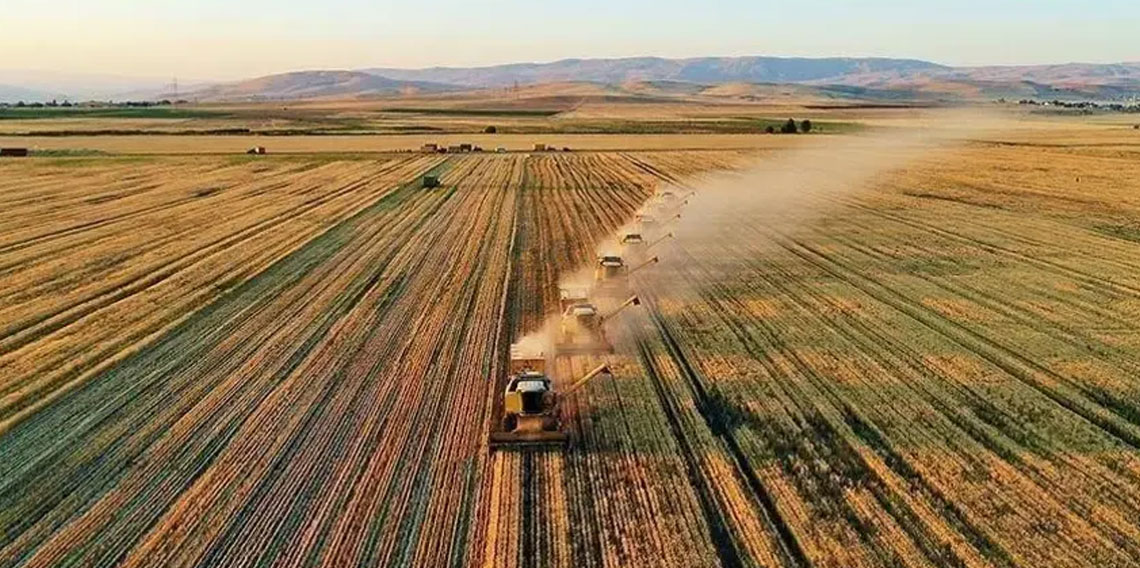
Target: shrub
{"x": 805, "y": 126}
{"x": 490, "y": 130}
{"x": 789, "y": 127}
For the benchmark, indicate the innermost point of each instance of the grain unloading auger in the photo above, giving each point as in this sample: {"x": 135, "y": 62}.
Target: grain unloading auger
{"x": 582, "y": 329}
{"x": 530, "y": 405}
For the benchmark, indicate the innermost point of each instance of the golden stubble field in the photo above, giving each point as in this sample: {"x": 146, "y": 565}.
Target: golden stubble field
{"x": 840, "y": 361}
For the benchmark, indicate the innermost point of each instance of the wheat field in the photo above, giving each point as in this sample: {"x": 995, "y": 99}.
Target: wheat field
{"x": 207, "y": 360}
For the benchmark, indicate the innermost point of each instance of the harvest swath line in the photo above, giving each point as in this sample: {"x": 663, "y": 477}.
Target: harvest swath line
{"x": 904, "y": 381}
{"x": 789, "y": 547}
{"x": 847, "y": 253}
{"x": 270, "y": 416}
{"x": 773, "y": 337}
{"x": 718, "y": 532}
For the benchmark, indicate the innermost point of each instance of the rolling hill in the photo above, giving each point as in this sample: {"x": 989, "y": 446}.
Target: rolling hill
{"x": 315, "y": 84}
{"x": 12, "y": 94}
{"x": 639, "y": 69}
{"x": 746, "y": 78}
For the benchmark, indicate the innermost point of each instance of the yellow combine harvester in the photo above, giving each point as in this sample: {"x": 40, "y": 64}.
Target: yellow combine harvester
{"x": 582, "y": 330}
{"x": 636, "y": 244}
{"x": 611, "y": 275}
{"x": 530, "y": 404}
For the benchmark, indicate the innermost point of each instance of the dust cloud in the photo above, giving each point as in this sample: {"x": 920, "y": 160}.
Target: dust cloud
{"x": 794, "y": 188}
{"x": 784, "y": 191}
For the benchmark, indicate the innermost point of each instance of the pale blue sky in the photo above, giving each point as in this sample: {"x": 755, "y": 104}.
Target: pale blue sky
{"x": 222, "y": 39}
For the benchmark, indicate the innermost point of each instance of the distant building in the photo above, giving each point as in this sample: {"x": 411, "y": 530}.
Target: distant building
{"x": 256, "y": 151}
{"x": 430, "y": 148}
{"x": 540, "y": 147}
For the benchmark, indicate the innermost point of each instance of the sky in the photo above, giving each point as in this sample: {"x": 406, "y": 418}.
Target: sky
{"x": 233, "y": 39}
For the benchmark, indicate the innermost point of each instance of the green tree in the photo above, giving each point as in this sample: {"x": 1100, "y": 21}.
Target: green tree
{"x": 789, "y": 127}
{"x": 805, "y": 126}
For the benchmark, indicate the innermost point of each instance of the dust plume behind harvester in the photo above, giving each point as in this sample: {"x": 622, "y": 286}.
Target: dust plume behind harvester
{"x": 531, "y": 417}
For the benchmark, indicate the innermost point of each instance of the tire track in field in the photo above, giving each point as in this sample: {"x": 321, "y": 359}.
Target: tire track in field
{"x": 1046, "y": 265}
{"x": 280, "y": 276}
{"x": 1118, "y": 357}
{"x": 1013, "y": 363}
{"x": 75, "y": 313}
{"x": 112, "y": 219}
{"x": 871, "y": 341}
{"x": 791, "y": 551}
{"x": 719, "y": 533}
{"x": 738, "y": 326}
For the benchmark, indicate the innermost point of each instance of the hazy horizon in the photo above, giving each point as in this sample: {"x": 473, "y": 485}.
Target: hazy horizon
{"x": 214, "y": 40}
{"x": 60, "y": 74}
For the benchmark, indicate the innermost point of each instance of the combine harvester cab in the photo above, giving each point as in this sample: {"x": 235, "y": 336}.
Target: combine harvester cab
{"x": 611, "y": 276}
{"x": 531, "y": 417}
{"x": 530, "y": 406}
{"x": 568, "y": 297}
{"x": 632, "y": 240}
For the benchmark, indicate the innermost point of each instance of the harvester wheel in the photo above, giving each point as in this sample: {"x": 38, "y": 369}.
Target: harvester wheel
{"x": 510, "y": 422}
{"x": 549, "y": 423}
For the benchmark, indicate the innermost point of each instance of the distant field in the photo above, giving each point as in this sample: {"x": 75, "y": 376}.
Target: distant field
{"x": 48, "y": 113}
{"x": 555, "y": 115}
{"x": 190, "y": 144}
{"x": 472, "y": 111}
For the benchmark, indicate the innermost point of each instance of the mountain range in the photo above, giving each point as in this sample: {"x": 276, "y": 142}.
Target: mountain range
{"x": 866, "y": 78}
{"x": 703, "y": 70}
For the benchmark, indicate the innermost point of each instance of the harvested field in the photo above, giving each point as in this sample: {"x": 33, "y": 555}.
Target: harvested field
{"x": 237, "y": 144}
{"x": 296, "y": 361}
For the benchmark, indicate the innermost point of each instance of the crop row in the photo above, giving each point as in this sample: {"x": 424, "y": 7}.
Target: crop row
{"x": 284, "y": 361}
